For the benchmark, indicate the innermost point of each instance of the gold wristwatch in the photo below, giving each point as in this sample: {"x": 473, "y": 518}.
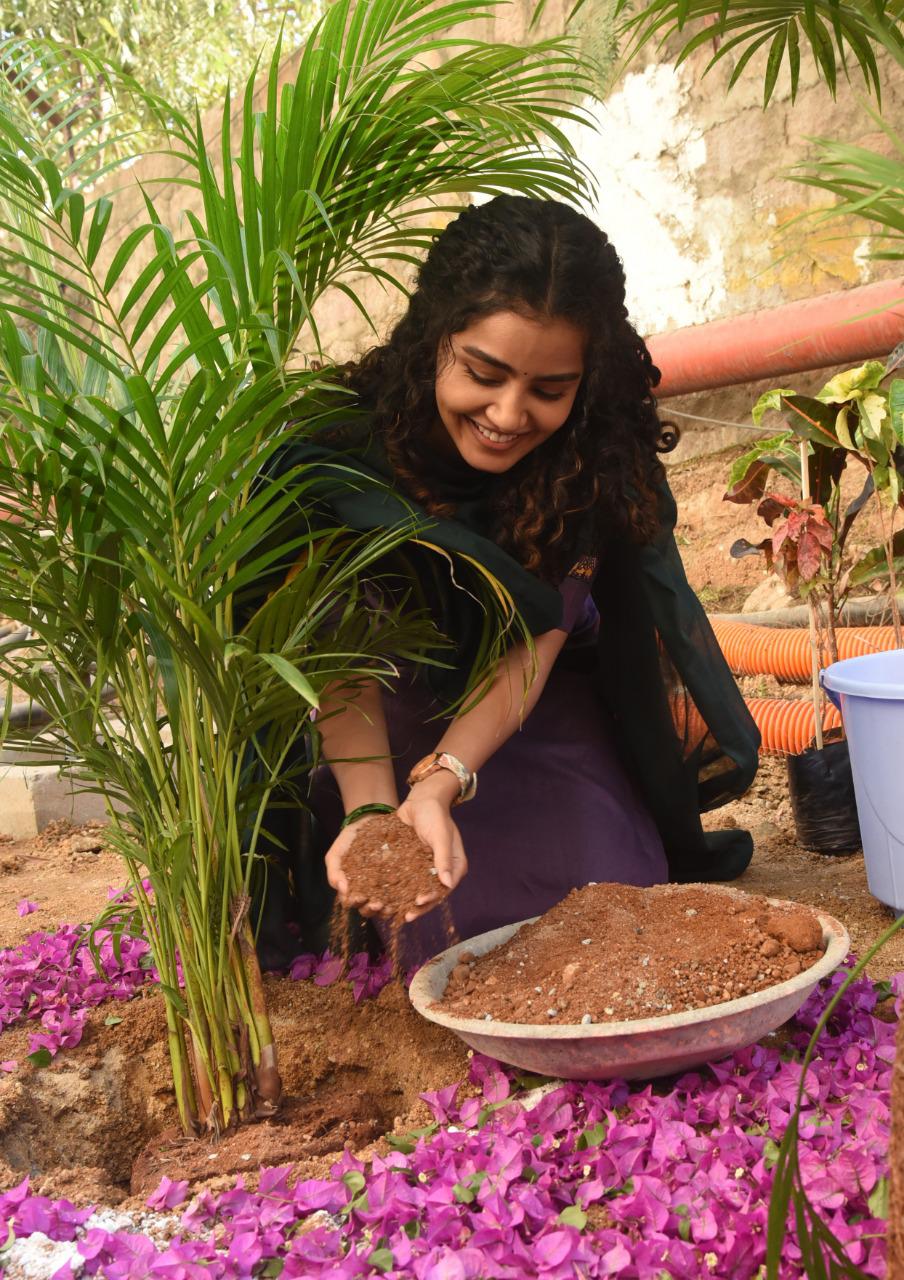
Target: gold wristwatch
{"x": 467, "y": 781}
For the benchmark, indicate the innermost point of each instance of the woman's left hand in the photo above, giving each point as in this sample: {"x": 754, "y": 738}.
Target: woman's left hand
{"x": 426, "y": 809}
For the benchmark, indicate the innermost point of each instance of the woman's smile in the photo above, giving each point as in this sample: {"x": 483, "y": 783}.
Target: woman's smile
{"x": 498, "y": 440}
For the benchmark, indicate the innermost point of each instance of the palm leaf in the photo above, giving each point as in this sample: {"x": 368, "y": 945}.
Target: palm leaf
{"x": 866, "y": 185}
{"x": 838, "y": 33}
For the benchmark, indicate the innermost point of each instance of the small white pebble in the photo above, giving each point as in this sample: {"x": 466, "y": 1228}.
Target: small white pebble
{"x": 552, "y": 1013}
{"x": 433, "y": 871}
{"x": 247, "y": 1155}
{"x": 691, "y": 911}
{"x": 586, "y": 1018}
{"x": 213, "y": 1155}
{"x": 488, "y": 1017}
{"x": 552, "y": 991}
{"x": 609, "y": 1010}
{"x": 585, "y": 942}
{"x": 384, "y": 848}
{"x": 645, "y": 960}
{"x": 591, "y": 884}
{"x": 539, "y": 990}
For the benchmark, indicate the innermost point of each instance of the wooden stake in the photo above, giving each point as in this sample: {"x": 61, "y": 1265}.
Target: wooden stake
{"x": 811, "y": 611}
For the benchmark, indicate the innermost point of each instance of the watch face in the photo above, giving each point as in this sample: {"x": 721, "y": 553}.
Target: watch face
{"x": 423, "y": 768}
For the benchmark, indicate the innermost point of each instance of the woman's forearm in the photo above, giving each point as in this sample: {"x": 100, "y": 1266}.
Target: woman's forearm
{"x": 352, "y": 727}
{"x": 474, "y": 736}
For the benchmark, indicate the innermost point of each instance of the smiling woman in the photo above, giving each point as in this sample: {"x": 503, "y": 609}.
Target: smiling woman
{"x": 511, "y": 410}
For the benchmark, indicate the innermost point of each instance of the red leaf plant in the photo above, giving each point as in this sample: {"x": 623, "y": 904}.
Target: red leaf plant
{"x": 801, "y": 541}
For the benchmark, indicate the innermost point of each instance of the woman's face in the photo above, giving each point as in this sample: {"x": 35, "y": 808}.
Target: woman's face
{"x": 509, "y": 385}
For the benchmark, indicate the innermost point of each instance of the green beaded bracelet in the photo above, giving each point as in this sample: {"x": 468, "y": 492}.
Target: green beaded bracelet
{"x": 364, "y": 809}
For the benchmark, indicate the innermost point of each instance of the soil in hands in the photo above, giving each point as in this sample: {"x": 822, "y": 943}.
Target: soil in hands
{"x": 389, "y": 863}
{"x": 612, "y": 952}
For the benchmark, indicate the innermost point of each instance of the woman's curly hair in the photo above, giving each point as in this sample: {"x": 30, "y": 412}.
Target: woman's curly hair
{"x": 539, "y": 258}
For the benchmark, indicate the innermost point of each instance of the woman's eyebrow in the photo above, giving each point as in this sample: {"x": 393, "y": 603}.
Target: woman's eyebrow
{"x": 507, "y": 368}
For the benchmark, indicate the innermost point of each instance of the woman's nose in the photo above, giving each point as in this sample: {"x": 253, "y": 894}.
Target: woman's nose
{"x": 507, "y": 412}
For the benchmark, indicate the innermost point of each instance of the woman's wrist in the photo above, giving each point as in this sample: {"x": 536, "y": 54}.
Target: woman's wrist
{"x": 441, "y": 785}
{"x": 364, "y": 810}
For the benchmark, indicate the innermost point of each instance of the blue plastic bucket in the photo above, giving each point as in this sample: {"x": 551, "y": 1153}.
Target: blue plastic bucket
{"x": 869, "y": 691}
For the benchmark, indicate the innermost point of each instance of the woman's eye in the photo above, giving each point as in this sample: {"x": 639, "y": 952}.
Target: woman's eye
{"x": 497, "y": 382}
{"x": 484, "y": 382}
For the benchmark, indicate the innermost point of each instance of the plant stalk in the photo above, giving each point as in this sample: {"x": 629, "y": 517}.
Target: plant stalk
{"x": 815, "y": 663}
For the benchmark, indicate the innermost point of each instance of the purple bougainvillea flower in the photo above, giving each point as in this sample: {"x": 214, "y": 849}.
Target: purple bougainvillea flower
{"x": 328, "y": 969}
{"x": 302, "y": 967}
{"x": 9, "y": 1065}
{"x": 319, "y": 1193}
{"x": 168, "y": 1195}
{"x": 25, "y": 907}
{"x": 368, "y": 977}
{"x": 440, "y": 1101}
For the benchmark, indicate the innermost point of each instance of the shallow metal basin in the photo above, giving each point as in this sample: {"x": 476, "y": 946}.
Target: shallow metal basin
{"x": 640, "y": 1048}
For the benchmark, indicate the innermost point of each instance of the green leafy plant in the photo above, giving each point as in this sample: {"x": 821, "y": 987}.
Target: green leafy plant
{"x": 148, "y": 380}
{"x": 851, "y": 419}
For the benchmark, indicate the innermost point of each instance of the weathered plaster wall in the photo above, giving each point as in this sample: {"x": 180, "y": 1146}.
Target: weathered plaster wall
{"x": 695, "y": 193}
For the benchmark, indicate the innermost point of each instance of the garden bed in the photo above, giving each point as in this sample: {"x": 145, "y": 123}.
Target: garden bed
{"x": 97, "y": 1125}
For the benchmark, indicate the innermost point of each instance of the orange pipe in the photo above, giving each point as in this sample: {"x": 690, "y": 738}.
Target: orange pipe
{"x": 788, "y": 725}
{"x": 752, "y": 650}
{"x": 847, "y": 327}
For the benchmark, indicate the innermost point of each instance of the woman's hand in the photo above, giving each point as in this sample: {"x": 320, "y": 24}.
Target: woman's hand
{"x": 336, "y": 876}
{"x": 427, "y": 810}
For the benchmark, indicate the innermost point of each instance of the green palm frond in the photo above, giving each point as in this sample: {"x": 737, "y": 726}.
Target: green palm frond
{"x": 840, "y": 34}
{"x": 865, "y": 184}
{"x": 337, "y": 172}
{"x": 43, "y": 109}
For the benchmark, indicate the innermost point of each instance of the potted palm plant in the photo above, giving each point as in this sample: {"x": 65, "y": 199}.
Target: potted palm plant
{"x": 148, "y": 373}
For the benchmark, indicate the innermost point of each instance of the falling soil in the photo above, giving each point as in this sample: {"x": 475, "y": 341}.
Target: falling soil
{"x": 612, "y": 952}
{"x": 389, "y": 863}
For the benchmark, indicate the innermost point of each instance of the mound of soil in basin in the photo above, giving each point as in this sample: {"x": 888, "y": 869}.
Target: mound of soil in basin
{"x": 389, "y": 863}
{"x": 612, "y": 952}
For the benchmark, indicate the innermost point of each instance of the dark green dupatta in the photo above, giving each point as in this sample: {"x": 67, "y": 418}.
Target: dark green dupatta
{"x": 680, "y": 724}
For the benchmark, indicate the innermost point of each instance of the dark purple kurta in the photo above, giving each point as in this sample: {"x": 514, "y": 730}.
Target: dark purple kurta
{"x": 554, "y": 809}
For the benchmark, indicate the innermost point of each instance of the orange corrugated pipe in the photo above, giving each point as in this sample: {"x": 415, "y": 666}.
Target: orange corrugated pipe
{"x": 753, "y": 650}
{"x": 811, "y": 334}
{"x": 788, "y": 725}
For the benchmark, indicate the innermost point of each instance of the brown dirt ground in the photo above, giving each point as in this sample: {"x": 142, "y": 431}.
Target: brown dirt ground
{"x": 351, "y": 1072}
